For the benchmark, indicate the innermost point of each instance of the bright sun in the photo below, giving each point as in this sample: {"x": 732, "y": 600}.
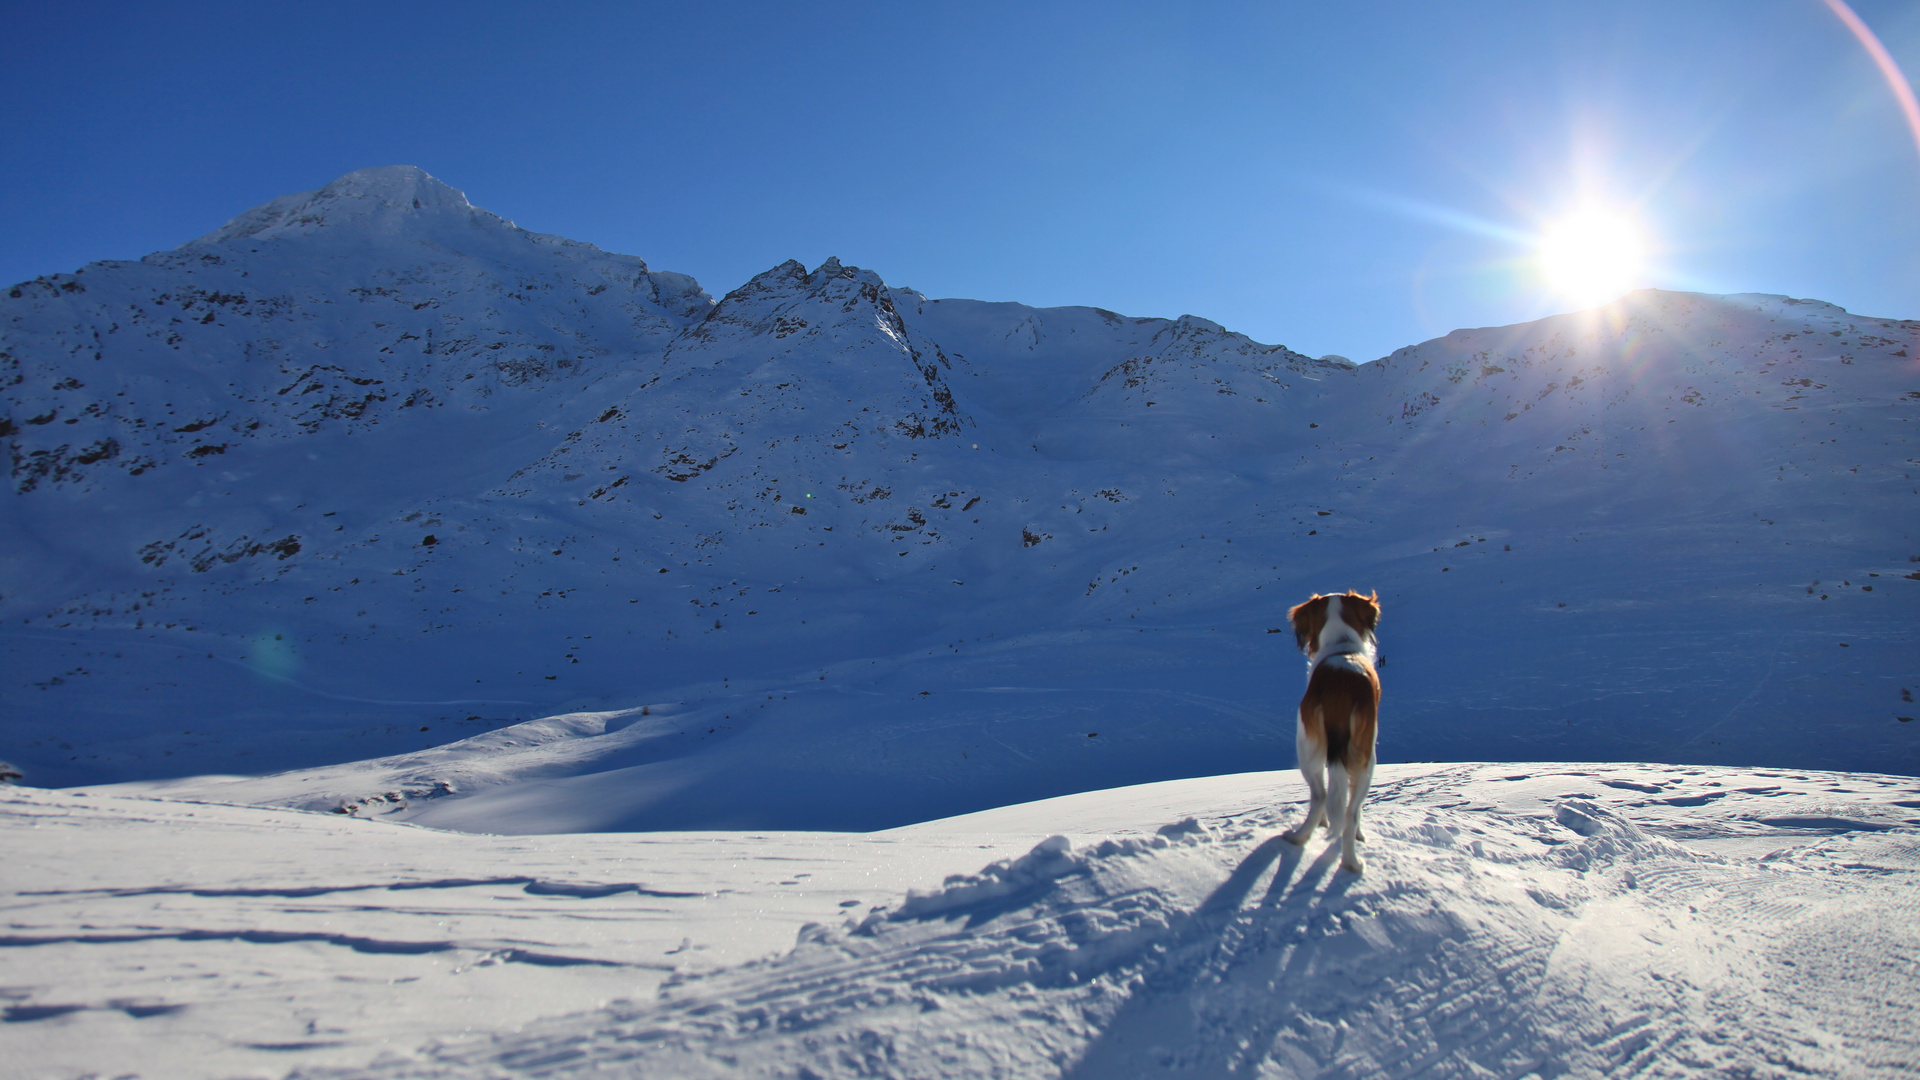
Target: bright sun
{"x": 1592, "y": 256}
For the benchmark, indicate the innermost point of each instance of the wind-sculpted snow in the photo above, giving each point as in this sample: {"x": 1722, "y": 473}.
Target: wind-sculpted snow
{"x": 355, "y": 480}
{"x": 1564, "y": 920}
{"x": 1494, "y": 944}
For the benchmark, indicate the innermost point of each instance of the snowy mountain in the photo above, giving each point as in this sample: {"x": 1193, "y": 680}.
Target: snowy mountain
{"x": 535, "y": 538}
{"x": 371, "y": 511}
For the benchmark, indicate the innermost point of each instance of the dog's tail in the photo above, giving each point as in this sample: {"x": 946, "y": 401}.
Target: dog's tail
{"x": 1337, "y": 717}
{"x": 1348, "y": 697}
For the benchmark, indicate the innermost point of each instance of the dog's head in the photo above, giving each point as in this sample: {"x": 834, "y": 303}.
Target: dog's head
{"x": 1348, "y": 610}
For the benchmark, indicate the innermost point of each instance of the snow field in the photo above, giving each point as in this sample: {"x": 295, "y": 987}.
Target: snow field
{"x": 1596, "y": 920}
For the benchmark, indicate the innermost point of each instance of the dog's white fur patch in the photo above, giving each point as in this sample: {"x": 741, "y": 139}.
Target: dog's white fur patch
{"x": 1337, "y": 638}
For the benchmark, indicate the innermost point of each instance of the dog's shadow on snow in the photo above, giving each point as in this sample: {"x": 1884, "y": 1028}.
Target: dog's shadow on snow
{"x": 1159, "y": 1030}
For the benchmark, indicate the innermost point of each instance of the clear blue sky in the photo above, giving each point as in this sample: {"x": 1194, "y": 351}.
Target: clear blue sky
{"x": 1337, "y": 177}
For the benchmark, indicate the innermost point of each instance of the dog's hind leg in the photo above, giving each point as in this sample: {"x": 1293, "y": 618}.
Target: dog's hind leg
{"x": 1362, "y": 781}
{"x": 1355, "y": 784}
{"x": 1339, "y": 788}
{"x": 1366, "y": 726}
{"x": 1312, "y": 753}
{"x": 1315, "y": 773}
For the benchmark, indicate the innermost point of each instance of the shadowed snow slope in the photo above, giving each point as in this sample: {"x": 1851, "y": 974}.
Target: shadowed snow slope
{"x": 1547, "y": 920}
{"x": 370, "y": 475}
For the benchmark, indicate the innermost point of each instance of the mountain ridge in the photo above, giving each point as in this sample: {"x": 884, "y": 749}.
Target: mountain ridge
{"x": 347, "y": 491}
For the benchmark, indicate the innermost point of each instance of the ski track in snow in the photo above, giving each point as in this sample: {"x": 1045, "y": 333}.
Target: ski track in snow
{"x": 1514, "y": 920}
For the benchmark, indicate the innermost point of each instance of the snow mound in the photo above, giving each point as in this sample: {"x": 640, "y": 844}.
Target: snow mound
{"x": 402, "y": 786}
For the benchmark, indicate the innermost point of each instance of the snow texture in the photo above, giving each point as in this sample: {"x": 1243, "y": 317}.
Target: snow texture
{"x": 1514, "y": 920}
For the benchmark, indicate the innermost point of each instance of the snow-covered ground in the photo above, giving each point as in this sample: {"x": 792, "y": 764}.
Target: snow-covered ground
{"x": 1514, "y": 920}
{"x": 406, "y": 602}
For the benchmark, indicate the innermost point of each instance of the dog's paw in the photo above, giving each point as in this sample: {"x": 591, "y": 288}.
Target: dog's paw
{"x": 1298, "y": 837}
{"x": 1359, "y": 837}
{"x": 1353, "y": 866}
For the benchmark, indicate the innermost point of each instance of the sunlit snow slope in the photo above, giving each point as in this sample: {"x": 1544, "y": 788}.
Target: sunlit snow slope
{"x": 369, "y": 472}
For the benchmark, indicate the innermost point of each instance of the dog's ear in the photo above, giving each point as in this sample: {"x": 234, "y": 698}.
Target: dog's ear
{"x": 1302, "y": 618}
{"x": 1361, "y": 612}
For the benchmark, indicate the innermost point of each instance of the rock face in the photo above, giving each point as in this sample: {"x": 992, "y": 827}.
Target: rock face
{"x": 369, "y": 469}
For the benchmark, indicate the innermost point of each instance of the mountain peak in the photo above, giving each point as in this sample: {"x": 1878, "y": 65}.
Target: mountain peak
{"x": 397, "y": 186}
{"x": 834, "y": 269}
{"x": 377, "y": 195}
{"x": 793, "y": 278}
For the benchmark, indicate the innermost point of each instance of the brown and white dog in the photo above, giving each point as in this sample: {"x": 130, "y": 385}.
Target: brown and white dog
{"x": 1339, "y": 713}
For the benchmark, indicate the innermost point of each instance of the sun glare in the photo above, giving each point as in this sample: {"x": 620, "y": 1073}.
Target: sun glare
{"x": 1592, "y": 256}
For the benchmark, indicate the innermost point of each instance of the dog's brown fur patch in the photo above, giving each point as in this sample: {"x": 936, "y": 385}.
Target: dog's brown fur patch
{"x": 1309, "y": 618}
{"x": 1341, "y": 710}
